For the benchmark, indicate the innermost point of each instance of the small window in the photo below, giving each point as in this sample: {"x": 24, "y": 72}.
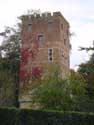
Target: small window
{"x": 40, "y": 38}
{"x": 62, "y": 52}
{"x": 67, "y": 32}
{"x": 65, "y": 42}
{"x": 62, "y": 26}
{"x": 50, "y": 55}
{"x": 50, "y": 25}
{"x": 29, "y": 27}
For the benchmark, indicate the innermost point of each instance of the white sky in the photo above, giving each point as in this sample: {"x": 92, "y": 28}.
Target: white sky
{"x": 79, "y": 13}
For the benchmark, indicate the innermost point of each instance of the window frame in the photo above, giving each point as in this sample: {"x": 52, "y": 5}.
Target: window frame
{"x": 29, "y": 27}
{"x": 50, "y": 56}
{"x": 65, "y": 42}
{"x": 50, "y": 25}
{"x": 40, "y": 38}
{"x": 62, "y": 26}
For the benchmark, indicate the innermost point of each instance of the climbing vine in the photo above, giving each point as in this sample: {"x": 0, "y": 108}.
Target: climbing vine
{"x": 26, "y": 54}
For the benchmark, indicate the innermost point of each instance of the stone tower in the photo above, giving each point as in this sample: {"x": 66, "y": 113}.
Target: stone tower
{"x": 51, "y": 33}
{"x": 48, "y": 36}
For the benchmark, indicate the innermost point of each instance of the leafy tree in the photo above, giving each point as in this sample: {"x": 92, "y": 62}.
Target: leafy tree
{"x": 87, "y": 71}
{"x": 10, "y": 56}
{"x": 11, "y": 42}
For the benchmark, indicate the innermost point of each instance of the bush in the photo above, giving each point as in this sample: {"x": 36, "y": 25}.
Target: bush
{"x": 43, "y": 117}
{"x": 53, "y": 95}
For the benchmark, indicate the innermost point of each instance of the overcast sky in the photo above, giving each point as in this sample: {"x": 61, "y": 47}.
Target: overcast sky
{"x": 79, "y": 13}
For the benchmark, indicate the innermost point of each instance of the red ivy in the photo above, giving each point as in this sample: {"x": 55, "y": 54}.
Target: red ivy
{"x": 36, "y": 73}
{"x": 26, "y": 53}
{"x": 24, "y": 75}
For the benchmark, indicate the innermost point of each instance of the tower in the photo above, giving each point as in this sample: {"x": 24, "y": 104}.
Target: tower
{"x": 45, "y": 39}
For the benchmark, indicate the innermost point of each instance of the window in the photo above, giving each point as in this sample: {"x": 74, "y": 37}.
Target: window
{"x": 29, "y": 27}
{"x": 62, "y": 52}
{"x": 40, "y": 38}
{"x": 50, "y": 55}
{"x": 65, "y": 42}
{"x": 67, "y": 32}
{"x": 62, "y": 26}
{"x": 50, "y": 25}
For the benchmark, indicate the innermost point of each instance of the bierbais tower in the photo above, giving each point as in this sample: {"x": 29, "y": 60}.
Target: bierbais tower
{"x": 45, "y": 41}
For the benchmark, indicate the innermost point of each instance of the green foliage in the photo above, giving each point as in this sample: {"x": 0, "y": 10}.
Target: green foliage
{"x": 10, "y": 48}
{"x": 77, "y": 83}
{"x": 10, "y": 59}
{"x": 11, "y": 42}
{"x": 87, "y": 71}
{"x": 40, "y": 117}
{"x": 60, "y": 94}
{"x": 52, "y": 92}
{"x": 52, "y": 95}
{"x": 87, "y": 68}
{"x": 7, "y": 95}
{"x": 77, "y": 91}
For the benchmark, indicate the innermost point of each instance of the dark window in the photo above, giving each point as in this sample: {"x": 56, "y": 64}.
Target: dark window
{"x": 50, "y": 51}
{"x": 30, "y": 27}
{"x": 65, "y": 42}
{"x": 67, "y": 32}
{"x": 50, "y": 55}
{"x": 62, "y": 52}
{"x": 50, "y": 59}
{"x": 62, "y": 26}
{"x": 40, "y": 38}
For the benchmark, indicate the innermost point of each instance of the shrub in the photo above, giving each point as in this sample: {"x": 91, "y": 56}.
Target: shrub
{"x": 15, "y": 116}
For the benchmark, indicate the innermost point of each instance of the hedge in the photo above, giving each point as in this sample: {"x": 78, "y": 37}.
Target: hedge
{"x": 13, "y": 116}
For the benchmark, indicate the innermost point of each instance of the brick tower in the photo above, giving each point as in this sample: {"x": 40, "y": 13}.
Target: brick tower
{"x": 48, "y": 36}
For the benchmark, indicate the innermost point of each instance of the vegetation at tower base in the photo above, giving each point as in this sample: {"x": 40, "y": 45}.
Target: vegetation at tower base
{"x": 44, "y": 117}
{"x": 57, "y": 94}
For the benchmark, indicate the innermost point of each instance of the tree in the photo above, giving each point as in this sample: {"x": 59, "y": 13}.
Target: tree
{"x": 77, "y": 90}
{"x": 87, "y": 71}
{"x": 10, "y": 56}
{"x": 87, "y": 48}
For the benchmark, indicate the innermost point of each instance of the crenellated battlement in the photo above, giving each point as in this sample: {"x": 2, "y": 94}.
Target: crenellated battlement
{"x": 42, "y": 15}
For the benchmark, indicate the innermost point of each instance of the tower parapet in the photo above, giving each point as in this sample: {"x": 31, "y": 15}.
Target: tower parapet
{"x": 42, "y": 16}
